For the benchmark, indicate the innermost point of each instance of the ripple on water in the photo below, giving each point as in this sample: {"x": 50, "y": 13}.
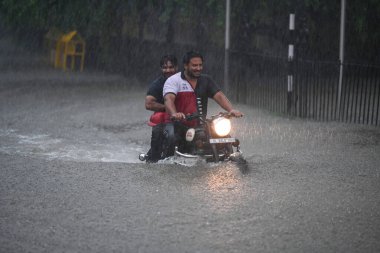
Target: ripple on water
{"x": 43, "y": 145}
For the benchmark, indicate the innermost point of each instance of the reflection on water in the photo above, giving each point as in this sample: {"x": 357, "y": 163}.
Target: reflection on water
{"x": 222, "y": 188}
{"x": 224, "y": 177}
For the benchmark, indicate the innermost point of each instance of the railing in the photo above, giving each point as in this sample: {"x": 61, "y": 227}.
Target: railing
{"x": 361, "y": 95}
{"x": 261, "y": 81}
{"x": 316, "y": 90}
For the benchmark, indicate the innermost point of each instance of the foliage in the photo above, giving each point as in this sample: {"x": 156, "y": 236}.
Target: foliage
{"x": 256, "y": 26}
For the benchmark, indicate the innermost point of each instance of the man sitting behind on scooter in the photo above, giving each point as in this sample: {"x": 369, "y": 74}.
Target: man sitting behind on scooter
{"x": 154, "y": 101}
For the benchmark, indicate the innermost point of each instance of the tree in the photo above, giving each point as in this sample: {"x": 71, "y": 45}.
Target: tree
{"x": 259, "y": 26}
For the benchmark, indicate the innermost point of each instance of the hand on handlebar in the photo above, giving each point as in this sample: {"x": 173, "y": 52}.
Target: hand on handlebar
{"x": 177, "y": 116}
{"x": 236, "y": 113}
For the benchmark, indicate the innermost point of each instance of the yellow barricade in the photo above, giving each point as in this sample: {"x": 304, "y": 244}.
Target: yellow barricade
{"x": 69, "y": 48}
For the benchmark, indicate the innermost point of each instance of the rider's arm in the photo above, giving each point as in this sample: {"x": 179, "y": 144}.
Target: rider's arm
{"x": 152, "y": 105}
{"x": 223, "y": 101}
{"x": 170, "y": 107}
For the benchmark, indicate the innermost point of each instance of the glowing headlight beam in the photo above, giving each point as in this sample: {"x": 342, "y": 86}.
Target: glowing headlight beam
{"x": 222, "y": 126}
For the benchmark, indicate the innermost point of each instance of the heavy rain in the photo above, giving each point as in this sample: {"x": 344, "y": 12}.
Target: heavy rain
{"x": 71, "y": 180}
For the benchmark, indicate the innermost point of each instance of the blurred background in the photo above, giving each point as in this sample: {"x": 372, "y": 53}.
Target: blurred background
{"x": 130, "y": 36}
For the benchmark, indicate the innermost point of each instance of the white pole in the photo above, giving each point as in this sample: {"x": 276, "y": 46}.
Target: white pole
{"x": 290, "y": 60}
{"x": 228, "y": 10}
{"x": 227, "y": 47}
{"x": 291, "y": 50}
{"x": 341, "y": 50}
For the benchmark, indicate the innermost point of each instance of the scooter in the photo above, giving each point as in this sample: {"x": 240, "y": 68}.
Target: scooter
{"x": 210, "y": 140}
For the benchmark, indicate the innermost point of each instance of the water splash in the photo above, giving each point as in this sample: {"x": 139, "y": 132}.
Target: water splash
{"x": 43, "y": 145}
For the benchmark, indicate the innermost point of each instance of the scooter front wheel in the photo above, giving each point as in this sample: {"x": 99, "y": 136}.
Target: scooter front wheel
{"x": 229, "y": 149}
{"x": 215, "y": 153}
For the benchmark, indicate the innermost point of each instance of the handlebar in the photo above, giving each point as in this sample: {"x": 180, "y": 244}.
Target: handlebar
{"x": 196, "y": 115}
{"x": 188, "y": 117}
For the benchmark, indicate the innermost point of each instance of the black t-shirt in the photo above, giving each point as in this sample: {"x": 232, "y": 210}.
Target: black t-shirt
{"x": 155, "y": 89}
{"x": 206, "y": 88}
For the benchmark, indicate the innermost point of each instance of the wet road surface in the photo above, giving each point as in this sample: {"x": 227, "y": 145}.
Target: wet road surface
{"x": 71, "y": 180}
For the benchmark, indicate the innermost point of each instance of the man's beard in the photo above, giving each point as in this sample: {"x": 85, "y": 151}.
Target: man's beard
{"x": 167, "y": 75}
{"x": 192, "y": 74}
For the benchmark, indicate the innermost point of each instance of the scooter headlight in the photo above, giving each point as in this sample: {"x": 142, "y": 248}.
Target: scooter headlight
{"x": 222, "y": 126}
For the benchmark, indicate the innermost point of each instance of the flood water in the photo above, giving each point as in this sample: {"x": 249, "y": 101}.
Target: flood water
{"x": 72, "y": 181}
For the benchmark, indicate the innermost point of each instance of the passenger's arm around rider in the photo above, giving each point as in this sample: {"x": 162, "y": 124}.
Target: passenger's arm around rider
{"x": 152, "y": 104}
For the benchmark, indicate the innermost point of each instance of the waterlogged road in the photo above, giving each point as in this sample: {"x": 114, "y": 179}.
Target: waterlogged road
{"x": 71, "y": 181}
